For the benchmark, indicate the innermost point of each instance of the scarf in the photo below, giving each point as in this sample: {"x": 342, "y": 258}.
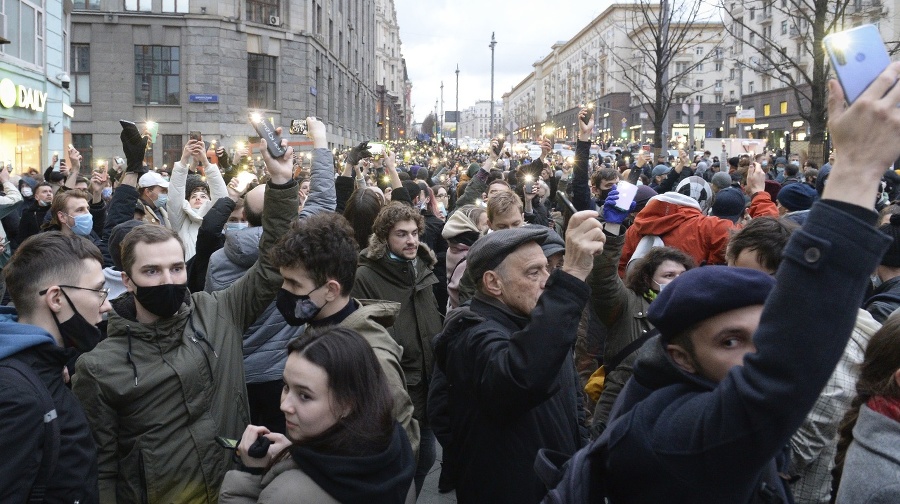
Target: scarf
{"x": 887, "y": 406}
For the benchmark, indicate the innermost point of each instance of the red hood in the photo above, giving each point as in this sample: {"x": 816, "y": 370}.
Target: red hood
{"x": 662, "y": 215}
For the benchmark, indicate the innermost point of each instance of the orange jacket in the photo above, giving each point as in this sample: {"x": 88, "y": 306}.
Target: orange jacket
{"x": 677, "y": 219}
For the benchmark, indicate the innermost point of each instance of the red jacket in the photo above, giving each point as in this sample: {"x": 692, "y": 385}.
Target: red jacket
{"x": 677, "y": 219}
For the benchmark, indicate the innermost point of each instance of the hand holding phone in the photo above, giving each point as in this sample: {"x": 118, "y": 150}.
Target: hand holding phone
{"x": 267, "y": 132}
{"x": 587, "y": 114}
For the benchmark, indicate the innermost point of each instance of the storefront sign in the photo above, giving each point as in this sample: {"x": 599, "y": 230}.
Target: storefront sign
{"x": 20, "y": 96}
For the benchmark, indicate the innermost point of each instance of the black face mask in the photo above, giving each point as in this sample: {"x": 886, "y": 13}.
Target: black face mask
{"x": 77, "y": 332}
{"x": 296, "y": 310}
{"x": 161, "y": 300}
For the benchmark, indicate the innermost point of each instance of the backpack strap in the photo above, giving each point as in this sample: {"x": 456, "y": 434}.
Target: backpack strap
{"x": 630, "y": 348}
{"x": 51, "y": 426}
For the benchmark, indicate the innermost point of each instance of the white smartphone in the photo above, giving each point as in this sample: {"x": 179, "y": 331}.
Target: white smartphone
{"x": 627, "y": 192}
{"x": 858, "y": 56}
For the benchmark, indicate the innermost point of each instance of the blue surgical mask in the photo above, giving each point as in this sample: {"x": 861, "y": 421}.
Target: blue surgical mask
{"x": 83, "y": 224}
{"x": 764, "y": 164}
{"x": 161, "y": 200}
{"x": 234, "y": 226}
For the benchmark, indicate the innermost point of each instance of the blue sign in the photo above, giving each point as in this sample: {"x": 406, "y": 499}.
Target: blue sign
{"x": 313, "y": 91}
{"x": 204, "y": 98}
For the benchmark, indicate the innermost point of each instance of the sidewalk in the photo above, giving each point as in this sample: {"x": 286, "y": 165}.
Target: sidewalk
{"x": 430, "y": 493}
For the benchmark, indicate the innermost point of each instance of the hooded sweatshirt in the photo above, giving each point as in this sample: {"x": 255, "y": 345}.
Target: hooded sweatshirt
{"x": 460, "y": 232}
{"x": 21, "y": 419}
{"x": 679, "y": 221}
{"x": 310, "y": 476}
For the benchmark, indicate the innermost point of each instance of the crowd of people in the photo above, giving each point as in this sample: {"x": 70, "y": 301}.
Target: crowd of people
{"x": 309, "y": 331}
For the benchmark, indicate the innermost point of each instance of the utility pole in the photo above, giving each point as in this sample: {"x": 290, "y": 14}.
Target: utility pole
{"x": 434, "y": 126}
{"x": 492, "y": 45}
{"x": 442, "y": 112}
{"x": 457, "y": 105}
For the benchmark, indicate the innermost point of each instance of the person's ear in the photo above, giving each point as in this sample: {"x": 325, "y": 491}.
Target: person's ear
{"x": 897, "y": 377}
{"x": 682, "y": 358}
{"x": 492, "y": 283}
{"x": 53, "y": 299}
{"x": 332, "y": 290}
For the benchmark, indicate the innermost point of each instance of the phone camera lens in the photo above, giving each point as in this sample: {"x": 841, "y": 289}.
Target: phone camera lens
{"x": 860, "y": 57}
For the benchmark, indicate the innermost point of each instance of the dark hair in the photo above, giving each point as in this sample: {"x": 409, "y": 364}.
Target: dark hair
{"x": 876, "y": 378}
{"x": 146, "y": 233}
{"x": 604, "y": 174}
{"x": 254, "y": 218}
{"x": 82, "y": 180}
{"x": 640, "y": 277}
{"x": 361, "y": 210}
{"x": 43, "y": 260}
{"x": 766, "y": 235}
{"x": 393, "y": 213}
{"x": 42, "y": 184}
{"x": 356, "y": 382}
{"x": 791, "y": 170}
{"x": 323, "y": 245}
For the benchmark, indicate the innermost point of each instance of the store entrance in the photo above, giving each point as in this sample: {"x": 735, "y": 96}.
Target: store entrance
{"x": 20, "y": 147}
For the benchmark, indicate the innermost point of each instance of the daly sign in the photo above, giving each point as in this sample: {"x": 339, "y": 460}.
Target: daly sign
{"x": 20, "y": 96}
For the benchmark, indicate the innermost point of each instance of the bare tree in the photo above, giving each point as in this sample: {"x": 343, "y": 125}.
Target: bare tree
{"x": 661, "y": 32}
{"x": 799, "y": 62}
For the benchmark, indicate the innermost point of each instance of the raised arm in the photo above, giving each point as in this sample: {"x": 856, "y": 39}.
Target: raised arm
{"x": 322, "y": 196}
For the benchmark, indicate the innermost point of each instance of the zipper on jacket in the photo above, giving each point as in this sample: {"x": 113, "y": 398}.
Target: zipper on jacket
{"x": 197, "y": 337}
{"x": 143, "y": 478}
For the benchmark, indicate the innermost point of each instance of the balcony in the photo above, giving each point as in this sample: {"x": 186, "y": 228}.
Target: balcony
{"x": 765, "y": 17}
{"x": 795, "y": 33}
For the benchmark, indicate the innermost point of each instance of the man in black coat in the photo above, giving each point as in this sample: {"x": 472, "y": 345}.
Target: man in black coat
{"x": 56, "y": 282}
{"x": 508, "y": 360}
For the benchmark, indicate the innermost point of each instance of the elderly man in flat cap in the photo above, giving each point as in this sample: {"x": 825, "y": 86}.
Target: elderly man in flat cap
{"x": 508, "y": 360}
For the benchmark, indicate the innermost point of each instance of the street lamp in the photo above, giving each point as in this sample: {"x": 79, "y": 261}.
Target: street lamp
{"x": 457, "y": 105}
{"x": 492, "y": 45}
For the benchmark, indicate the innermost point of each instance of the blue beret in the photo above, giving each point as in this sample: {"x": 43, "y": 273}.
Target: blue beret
{"x": 702, "y": 293}
{"x": 797, "y": 196}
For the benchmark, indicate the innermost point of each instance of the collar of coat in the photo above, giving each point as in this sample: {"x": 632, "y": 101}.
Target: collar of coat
{"x": 166, "y": 332}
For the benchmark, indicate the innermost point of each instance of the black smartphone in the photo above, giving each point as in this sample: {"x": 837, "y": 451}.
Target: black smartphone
{"x": 498, "y": 148}
{"x": 266, "y": 131}
{"x": 587, "y": 117}
{"x": 195, "y": 135}
{"x": 298, "y": 127}
{"x": 565, "y": 199}
{"x": 228, "y": 444}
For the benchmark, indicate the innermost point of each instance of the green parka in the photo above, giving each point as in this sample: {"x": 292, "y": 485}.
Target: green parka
{"x": 419, "y": 320}
{"x": 157, "y": 395}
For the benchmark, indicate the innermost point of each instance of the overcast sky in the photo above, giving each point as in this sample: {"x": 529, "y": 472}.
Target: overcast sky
{"x": 438, "y": 34}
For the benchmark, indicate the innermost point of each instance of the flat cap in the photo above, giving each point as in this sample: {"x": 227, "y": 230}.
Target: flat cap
{"x": 490, "y": 250}
{"x": 797, "y": 196}
{"x": 702, "y": 293}
{"x": 729, "y": 204}
{"x": 553, "y": 244}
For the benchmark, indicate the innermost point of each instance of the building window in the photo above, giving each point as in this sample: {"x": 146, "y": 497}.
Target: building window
{"x": 259, "y": 11}
{"x": 699, "y": 83}
{"x": 157, "y": 75}
{"x": 261, "y": 81}
{"x": 699, "y": 51}
{"x": 783, "y": 107}
{"x": 25, "y": 30}
{"x": 84, "y": 144}
{"x": 138, "y": 5}
{"x": 87, "y": 4}
{"x": 80, "y": 68}
{"x": 179, "y": 6}
{"x": 171, "y": 145}
{"x": 750, "y": 87}
{"x": 784, "y": 27}
{"x": 767, "y": 110}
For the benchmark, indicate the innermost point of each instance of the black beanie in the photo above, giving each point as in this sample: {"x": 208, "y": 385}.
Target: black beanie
{"x": 891, "y": 257}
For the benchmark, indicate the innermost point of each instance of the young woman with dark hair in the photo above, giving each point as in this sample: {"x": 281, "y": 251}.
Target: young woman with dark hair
{"x": 342, "y": 443}
{"x": 866, "y": 467}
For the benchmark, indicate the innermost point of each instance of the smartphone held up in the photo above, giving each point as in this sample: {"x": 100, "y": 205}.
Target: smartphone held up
{"x": 266, "y": 131}
{"x": 858, "y": 57}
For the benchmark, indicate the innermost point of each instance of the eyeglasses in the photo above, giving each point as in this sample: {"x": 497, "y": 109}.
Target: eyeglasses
{"x": 103, "y": 293}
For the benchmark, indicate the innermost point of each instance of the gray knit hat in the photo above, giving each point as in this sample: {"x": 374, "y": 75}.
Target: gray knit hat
{"x": 490, "y": 250}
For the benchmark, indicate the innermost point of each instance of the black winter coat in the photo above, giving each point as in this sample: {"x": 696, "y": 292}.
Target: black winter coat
{"x": 512, "y": 390}
{"x": 75, "y": 477}
{"x": 884, "y": 300}
{"x": 434, "y": 226}
{"x": 30, "y": 223}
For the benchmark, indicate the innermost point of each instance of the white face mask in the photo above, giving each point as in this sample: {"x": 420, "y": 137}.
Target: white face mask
{"x": 661, "y": 285}
{"x": 27, "y": 192}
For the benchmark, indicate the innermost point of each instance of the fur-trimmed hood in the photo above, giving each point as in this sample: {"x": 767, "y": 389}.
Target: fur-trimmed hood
{"x": 378, "y": 248}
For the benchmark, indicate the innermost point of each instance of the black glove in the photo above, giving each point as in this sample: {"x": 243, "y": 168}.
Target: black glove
{"x": 260, "y": 447}
{"x": 135, "y": 146}
{"x": 358, "y": 153}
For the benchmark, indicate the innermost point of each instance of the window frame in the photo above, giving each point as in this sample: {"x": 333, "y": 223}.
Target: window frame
{"x": 170, "y": 79}
{"x": 256, "y": 79}
{"x": 79, "y": 76}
